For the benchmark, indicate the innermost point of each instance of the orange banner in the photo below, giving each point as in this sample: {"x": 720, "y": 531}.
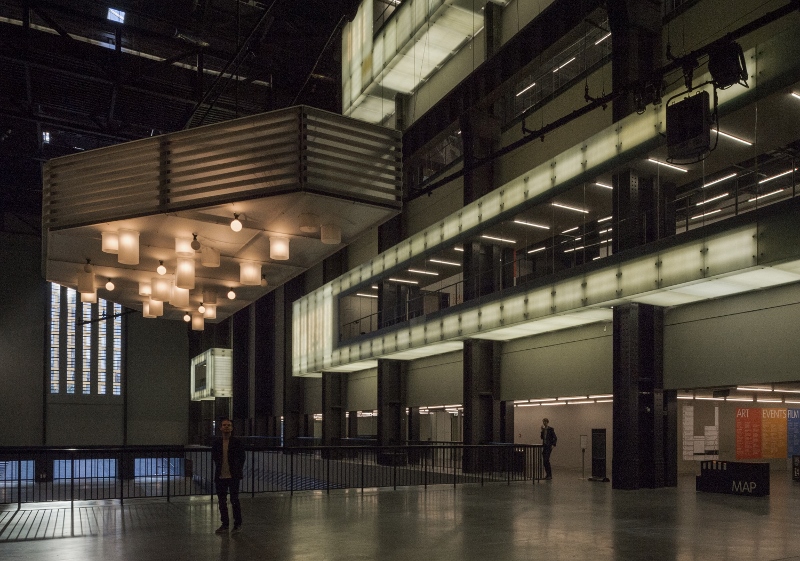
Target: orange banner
{"x": 774, "y": 436}
{"x": 748, "y": 433}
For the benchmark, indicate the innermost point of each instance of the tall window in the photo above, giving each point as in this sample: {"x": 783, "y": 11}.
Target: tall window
{"x": 85, "y": 345}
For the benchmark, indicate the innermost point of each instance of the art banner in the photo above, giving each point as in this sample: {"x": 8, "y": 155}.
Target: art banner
{"x": 748, "y": 433}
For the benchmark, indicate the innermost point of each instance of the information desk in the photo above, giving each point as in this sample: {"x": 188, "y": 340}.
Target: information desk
{"x": 734, "y": 478}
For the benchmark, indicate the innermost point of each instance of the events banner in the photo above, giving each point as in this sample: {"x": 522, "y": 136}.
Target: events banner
{"x": 773, "y": 433}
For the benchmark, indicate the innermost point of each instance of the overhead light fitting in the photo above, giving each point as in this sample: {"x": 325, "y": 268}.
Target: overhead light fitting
{"x": 797, "y": 95}
{"x": 532, "y": 224}
{"x": 236, "y": 225}
{"x": 231, "y": 295}
{"x": 497, "y": 239}
{"x": 603, "y": 38}
{"x": 183, "y": 247}
{"x": 128, "y": 253}
{"x": 184, "y": 273}
{"x": 695, "y": 217}
{"x": 179, "y": 297}
{"x": 88, "y": 267}
{"x": 279, "y": 248}
{"x": 443, "y": 262}
{"x": 765, "y": 195}
{"x": 89, "y": 297}
{"x": 263, "y": 280}
{"x": 110, "y": 242}
{"x": 604, "y": 219}
{"x": 563, "y": 65}
{"x": 722, "y": 196}
{"x": 776, "y": 176}
{"x": 195, "y": 245}
{"x": 161, "y": 269}
{"x": 720, "y": 180}
{"x": 201, "y": 308}
{"x": 404, "y": 280}
{"x": 421, "y": 272}
{"x": 525, "y": 89}
{"x": 249, "y": 273}
{"x": 109, "y": 285}
{"x": 209, "y": 257}
{"x": 331, "y": 234}
{"x": 603, "y": 185}
{"x": 537, "y": 250}
{"x": 736, "y": 138}
{"x": 309, "y": 222}
{"x": 666, "y": 165}
{"x": 186, "y": 317}
{"x": 572, "y": 208}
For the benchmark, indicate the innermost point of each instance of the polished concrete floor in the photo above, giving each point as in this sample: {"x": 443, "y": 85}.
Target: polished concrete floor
{"x": 566, "y": 518}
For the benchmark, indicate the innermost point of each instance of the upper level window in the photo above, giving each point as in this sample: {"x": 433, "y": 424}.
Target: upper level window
{"x": 116, "y": 15}
{"x": 85, "y": 345}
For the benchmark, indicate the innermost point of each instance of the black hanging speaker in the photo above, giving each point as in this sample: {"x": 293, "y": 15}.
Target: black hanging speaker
{"x": 727, "y": 65}
{"x": 688, "y": 129}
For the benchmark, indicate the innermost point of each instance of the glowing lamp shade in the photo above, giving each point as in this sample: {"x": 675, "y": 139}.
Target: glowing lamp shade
{"x": 89, "y": 297}
{"x": 128, "y": 247}
{"x": 309, "y": 222}
{"x": 278, "y": 250}
{"x": 231, "y": 295}
{"x": 110, "y": 243}
{"x": 211, "y": 311}
{"x": 144, "y": 289}
{"x": 183, "y": 247}
{"x": 179, "y": 297}
{"x": 198, "y": 323}
{"x": 331, "y": 234}
{"x": 86, "y": 283}
{"x": 156, "y": 307}
{"x": 187, "y": 318}
{"x": 209, "y": 257}
{"x": 161, "y": 289}
{"x": 210, "y": 296}
{"x": 146, "y": 310}
{"x": 236, "y": 224}
{"x": 250, "y": 273}
{"x": 184, "y": 273}
{"x": 110, "y": 285}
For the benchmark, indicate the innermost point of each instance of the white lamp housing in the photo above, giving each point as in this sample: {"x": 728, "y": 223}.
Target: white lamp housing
{"x": 184, "y": 272}
{"x": 210, "y": 296}
{"x": 250, "y": 273}
{"x": 209, "y": 257}
{"x": 146, "y": 309}
{"x": 110, "y": 243}
{"x": 183, "y": 247}
{"x": 231, "y": 295}
{"x": 278, "y": 249}
{"x": 198, "y": 323}
{"x": 211, "y": 311}
{"x": 144, "y": 288}
{"x": 86, "y": 283}
{"x": 309, "y": 222}
{"x": 156, "y": 307}
{"x": 331, "y": 234}
{"x": 128, "y": 247}
{"x": 179, "y": 297}
{"x": 89, "y": 297}
{"x": 162, "y": 289}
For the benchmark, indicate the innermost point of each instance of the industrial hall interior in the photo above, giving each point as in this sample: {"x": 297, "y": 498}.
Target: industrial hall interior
{"x": 387, "y": 238}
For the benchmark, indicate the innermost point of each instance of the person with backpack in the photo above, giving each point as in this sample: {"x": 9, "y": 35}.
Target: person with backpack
{"x": 549, "y": 440}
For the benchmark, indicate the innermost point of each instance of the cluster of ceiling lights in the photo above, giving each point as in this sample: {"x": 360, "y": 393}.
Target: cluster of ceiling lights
{"x": 175, "y": 289}
{"x": 757, "y": 394}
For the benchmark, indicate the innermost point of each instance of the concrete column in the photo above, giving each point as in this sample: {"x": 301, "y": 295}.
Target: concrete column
{"x": 392, "y": 384}
{"x": 334, "y": 394}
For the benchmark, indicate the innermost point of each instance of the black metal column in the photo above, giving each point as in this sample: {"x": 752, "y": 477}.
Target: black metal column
{"x": 334, "y": 395}
{"x": 392, "y": 383}
{"x": 482, "y": 406}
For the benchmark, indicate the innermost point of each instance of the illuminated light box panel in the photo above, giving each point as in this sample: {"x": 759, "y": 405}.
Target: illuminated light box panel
{"x": 212, "y": 375}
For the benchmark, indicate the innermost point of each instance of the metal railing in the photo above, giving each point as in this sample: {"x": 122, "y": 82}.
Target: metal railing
{"x": 49, "y": 474}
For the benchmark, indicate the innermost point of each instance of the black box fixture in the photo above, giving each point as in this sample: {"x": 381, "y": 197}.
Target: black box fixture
{"x": 688, "y": 129}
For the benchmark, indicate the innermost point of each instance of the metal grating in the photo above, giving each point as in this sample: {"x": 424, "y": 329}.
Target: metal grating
{"x": 290, "y": 150}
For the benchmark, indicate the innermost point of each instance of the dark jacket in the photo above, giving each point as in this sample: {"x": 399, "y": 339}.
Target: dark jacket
{"x": 549, "y": 437}
{"x": 236, "y": 457}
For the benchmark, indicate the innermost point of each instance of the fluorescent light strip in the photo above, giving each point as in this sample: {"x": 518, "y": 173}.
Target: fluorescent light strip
{"x": 554, "y": 403}
{"x": 604, "y": 219}
{"x": 442, "y": 262}
{"x": 785, "y": 391}
{"x": 573, "y": 249}
{"x": 583, "y": 402}
{"x": 706, "y": 214}
{"x": 603, "y": 38}
{"x": 605, "y": 231}
{"x": 766, "y": 195}
{"x": 570, "y": 230}
{"x": 685, "y": 397}
{"x": 531, "y": 224}
{"x": 559, "y": 205}
{"x": 542, "y": 400}
{"x": 736, "y": 138}
{"x": 528, "y": 405}
{"x": 458, "y": 248}
{"x": 791, "y": 401}
{"x": 666, "y": 165}
{"x": 601, "y": 396}
{"x": 753, "y": 389}
{"x": 712, "y": 199}
{"x": 572, "y": 398}
{"x": 710, "y": 398}
{"x": 404, "y": 280}
{"x": 796, "y": 95}
{"x": 375, "y": 286}
{"x": 720, "y": 180}
{"x": 603, "y": 185}
{"x": 420, "y": 272}
{"x": 563, "y": 65}
{"x": 776, "y": 176}
{"x": 739, "y": 399}
{"x": 497, "y": 239}
{"x": 768, "y": 400}
{"x": 526, "y": 89}
{"x": 366, "y": 295}
{"x": 537, "y": 250}
{"x": 604, "y": 401}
